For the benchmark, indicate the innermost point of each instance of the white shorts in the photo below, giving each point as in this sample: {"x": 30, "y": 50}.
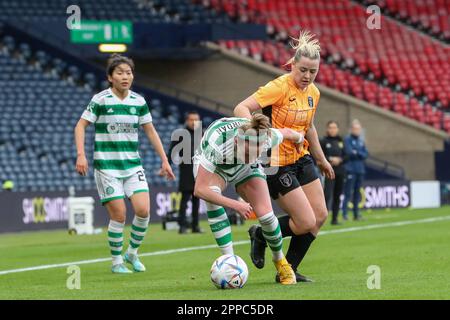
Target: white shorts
{"x": 246, "y": 171}
{"x": 111, "y": 188}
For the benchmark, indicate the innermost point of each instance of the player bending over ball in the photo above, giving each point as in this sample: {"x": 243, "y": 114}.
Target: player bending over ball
{"x": 228, "y": 153}
{"x": 117, "y": 113}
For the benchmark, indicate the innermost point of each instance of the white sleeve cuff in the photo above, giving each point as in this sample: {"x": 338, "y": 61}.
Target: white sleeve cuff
{"x": 145, "y": 119}
{"x": 276, "y": 138}
{"x": 208, "y": 165}
{"x": 89, "y": 116}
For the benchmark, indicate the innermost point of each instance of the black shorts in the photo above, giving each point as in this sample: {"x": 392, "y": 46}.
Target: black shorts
{"x": 292, "y": 176}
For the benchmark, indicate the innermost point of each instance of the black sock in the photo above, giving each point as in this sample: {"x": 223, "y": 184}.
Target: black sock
{"x": 284, "y": 226}
{"x": 298, "y": 247}
{"x": 260, "y": 235}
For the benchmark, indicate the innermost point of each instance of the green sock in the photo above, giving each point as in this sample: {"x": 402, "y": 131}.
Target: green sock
{"x": 272, "y": 233}
{"x": 220, "y": 227}
{"x": 138, "y": 230}
{"x": 115, "y": 238}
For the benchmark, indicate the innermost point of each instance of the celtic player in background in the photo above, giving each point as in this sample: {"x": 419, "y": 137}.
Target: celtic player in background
{"x": 117, "y": 113}
{"x": 228, "y": 153}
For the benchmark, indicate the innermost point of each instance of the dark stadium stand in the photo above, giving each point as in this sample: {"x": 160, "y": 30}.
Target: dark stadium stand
{"x": 154, "y": 11}
{"x": 394, "y": 67}
{"x": 42, "y": 99}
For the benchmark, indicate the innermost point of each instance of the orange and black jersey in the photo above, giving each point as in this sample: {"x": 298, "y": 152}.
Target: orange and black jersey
{"x": 288, "y": 107}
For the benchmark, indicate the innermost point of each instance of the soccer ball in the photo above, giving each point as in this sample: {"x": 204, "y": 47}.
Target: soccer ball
{"x": 229, "y": 272}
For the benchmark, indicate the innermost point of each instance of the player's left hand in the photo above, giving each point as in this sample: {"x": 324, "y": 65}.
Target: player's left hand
{"x": 326, "y": 169}
{"x": 166, "y": 171}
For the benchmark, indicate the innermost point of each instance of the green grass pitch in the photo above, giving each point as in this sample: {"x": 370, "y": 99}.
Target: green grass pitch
{"x": 413, "y": 256}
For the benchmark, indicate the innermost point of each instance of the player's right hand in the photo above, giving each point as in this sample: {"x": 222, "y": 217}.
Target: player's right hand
{"x": 166, "y": 171}
{"x": 82, "y": 165}
{"x": 244, "y": 209}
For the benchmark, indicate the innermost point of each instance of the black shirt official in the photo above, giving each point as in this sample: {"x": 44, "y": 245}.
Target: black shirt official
{"x": 183, "y": 148}
{"x": 186, "y": 182}
{"x": 333, "y": 148}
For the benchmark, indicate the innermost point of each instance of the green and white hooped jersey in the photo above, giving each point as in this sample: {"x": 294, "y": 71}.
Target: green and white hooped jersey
{"x": 217, "y": 147}
{"x": 116, "y": 131}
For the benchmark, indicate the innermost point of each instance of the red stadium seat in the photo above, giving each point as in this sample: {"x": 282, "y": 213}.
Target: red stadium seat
{"x": 400, "y": 55}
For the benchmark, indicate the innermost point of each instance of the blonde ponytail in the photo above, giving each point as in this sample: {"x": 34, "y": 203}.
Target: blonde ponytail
{"x": 305, "y": 46}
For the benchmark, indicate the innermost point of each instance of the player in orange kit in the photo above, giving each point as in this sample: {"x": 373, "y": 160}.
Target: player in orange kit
{"x": 291, "y": 101}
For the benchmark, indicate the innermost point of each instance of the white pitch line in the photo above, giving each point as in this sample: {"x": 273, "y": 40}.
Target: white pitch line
{"x": 385, "y": 225}
{"x": 212, "y": 246}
